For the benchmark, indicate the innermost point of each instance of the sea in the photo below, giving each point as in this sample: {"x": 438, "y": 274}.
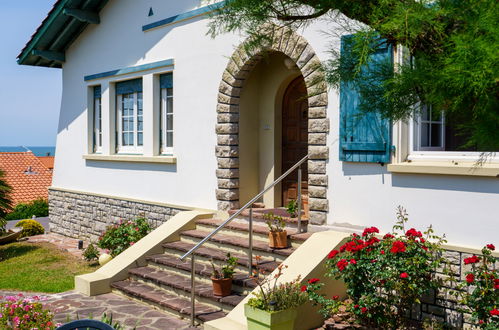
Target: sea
{"x": 37, "y": 150}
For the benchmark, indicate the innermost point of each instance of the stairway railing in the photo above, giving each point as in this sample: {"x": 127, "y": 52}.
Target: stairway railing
{"x": 250, "y": 229}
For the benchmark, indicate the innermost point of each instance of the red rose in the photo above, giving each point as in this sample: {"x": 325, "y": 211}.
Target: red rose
{"x": 332, "y": 254}
{"x": 363, "y": 310}
{"x": 496, "y": 283}
{"x": 370, "y": 230}
{"x": 313, "y": 280}
{"x": 342, "y": 264}
{"x": 404, "y": 275}
{"x": 494, "y": 312}
{"x": 397, "y": 246}
{"x": 356, "y": 306}
{"x": 353, "y": 261}
{"x": 470, "y": 278}
{"x": 382, "y": 251}
{"x": 373, "y": 261}
{"x": 388, "y": 236}
{"x": 303, "y": 288}
{"x": 413, "y": 233}
{"x": 491, "y": 247}
{"x": 471, "y": 260}
{"x": 480, "y": 322}
{"x": 422, "y": 240}
{"x": 336, "y": 297}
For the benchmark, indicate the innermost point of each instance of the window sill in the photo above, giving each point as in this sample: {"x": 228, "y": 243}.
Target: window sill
{"x": 445, "y": 168}
{"x": 132, "y": 159}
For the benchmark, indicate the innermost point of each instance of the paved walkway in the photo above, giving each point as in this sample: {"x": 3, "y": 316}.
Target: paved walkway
{"x": 72, "y": 305}
{"x": 64, "y": 243}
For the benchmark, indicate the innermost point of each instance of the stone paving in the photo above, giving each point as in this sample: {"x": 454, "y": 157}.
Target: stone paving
{"x": 64, "y": 243}
{"x": 130, "y": 314}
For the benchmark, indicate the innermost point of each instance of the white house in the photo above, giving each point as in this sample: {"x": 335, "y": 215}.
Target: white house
{"x": 158, "y": 117}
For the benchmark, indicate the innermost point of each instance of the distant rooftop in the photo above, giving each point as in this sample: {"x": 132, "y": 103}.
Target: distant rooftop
{"x": 27, "y": 175}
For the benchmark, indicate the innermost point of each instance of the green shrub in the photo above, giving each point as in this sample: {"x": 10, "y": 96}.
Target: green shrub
{"x": 119, "y": 237}
{"x": 3, "y": 223}
{"x": 91, "y": 253}
{"x": 30, "y": 227}
{"x": 37, "y": 208}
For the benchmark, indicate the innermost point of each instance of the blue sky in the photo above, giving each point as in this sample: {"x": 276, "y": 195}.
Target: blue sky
{"x": 31, "y": 96}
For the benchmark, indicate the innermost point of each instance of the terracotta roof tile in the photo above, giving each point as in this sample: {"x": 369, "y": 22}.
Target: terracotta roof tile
{"x": 26, "y": 174}
{"x": 48, "y": 161}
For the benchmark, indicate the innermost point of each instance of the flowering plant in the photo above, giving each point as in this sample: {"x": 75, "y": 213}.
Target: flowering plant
{"x": 482, "y": 282}
{"x": 274, "y": 222}
{"x": 273, "y": 297}
{"x": 120, "y": 237}
{"x": 19, "y": 312}
{"x": 384, "y": 276}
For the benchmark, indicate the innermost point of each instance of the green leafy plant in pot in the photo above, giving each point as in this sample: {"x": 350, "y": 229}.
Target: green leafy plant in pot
{"x": 275, "y": 304}
{"x": 222, "y": 278}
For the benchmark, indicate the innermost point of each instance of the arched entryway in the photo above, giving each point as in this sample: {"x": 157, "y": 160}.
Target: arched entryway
{"x": 295, "y": 51}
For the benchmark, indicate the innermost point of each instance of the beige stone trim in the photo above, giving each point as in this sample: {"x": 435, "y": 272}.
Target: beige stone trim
{"x": 444, "y": 168}
{"x": 99, "y": 281}
{"x": 141, "y": 201}
{"x": 132, "y": 158}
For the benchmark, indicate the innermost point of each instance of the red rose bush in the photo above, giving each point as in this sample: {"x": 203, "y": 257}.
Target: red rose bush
{"x": 385, "y": 276}
{"x": 481, "y": 284}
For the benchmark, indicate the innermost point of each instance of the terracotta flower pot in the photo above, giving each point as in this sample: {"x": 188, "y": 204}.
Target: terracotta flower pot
{"x": 278, "y": 239}
{"x": 222, "y": 287}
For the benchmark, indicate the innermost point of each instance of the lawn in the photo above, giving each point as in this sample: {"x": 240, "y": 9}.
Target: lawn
{"x": 40, "y": 267}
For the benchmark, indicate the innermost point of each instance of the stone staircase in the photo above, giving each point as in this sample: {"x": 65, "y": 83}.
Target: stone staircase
{"x": 165, "y": 282}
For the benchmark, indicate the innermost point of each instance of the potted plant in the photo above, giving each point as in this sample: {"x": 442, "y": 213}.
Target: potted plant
{"x": 278, "y": 236}
{"x": 222, "y": 279}
{"x": 275, "y": 304}
{"x": 292, "y": 208}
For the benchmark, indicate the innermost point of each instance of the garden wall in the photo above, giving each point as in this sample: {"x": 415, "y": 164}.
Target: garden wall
{"x": 84, "y": 215}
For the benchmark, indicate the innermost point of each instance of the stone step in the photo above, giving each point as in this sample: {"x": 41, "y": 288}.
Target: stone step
{"x": 258, "y": 214}
{"x": 235, "y": 244}
{"x": 181, "y": 286}
{"x": 170, "y": 303}
{"x": 203, "y": 271}
{"x": 205, "y": 254}
{"x": 241, "y": 229}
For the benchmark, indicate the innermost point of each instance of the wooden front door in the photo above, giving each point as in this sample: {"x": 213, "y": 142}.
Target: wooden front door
{"x": 294, "y": 138}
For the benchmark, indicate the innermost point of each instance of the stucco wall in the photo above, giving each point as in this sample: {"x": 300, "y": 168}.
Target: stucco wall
{"x": 465, "y": 208}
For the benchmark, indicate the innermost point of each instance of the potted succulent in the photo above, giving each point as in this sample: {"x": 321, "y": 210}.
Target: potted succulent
{"x": 275, "y": 304}
{"x": 278, "y": 236}
{"x": 222, "y": 278}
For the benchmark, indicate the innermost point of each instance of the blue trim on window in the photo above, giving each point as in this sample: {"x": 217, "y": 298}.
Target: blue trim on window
{"x": 129, "y": 86}
{"x": 131, "y": 69}
{"x": 97, "y": 92}
{"x": 183, "y": 16}
{"x": 166, "y": 80}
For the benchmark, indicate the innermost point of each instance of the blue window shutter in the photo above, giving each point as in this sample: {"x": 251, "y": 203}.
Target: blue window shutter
{"x": 129, "y": 86}
{"x": 97, "y": 92}
{"x": 166, "y": 80}
{"x": 364, "y": 137}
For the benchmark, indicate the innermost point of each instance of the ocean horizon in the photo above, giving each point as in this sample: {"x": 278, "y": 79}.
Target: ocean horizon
{"x": 36, "y": 150}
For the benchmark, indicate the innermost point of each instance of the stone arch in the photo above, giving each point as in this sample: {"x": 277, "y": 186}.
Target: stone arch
{"x": 243, "y": 60}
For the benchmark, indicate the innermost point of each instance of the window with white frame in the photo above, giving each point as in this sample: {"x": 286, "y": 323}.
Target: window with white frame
{"x": 166, "y": 114}
{"x": 129, "y": 116}
{"x": 97, "y": 120}
{"x": 429, "y": 132}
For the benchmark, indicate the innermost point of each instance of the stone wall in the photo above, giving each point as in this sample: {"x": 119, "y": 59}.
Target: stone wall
{"x": 86, "y": 216}
{"x": 442, "y": 305}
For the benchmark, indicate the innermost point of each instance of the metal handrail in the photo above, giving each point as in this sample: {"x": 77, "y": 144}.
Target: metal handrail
{"x": 250, "y": 229}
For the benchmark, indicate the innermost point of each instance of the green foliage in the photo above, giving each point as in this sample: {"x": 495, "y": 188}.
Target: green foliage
{"x": 227, "y": 270}
{"x": 274, "y": 296}
{"x": 37, "y": 208}
{"x": 384, "y": 277}
{"x": 120, "y": 237}
{"x": 91, "y": 253}
{"x": 274, "y": 222}
{"x": 3, "y": 223}
{"x": 449, "y": 48}
{"x": 5, "y": 201}
{"x": 30, "y": 227}
{"x": 481, "y": 289}
{"x": 292, "y": 208}
{"x": 19, "y": 312}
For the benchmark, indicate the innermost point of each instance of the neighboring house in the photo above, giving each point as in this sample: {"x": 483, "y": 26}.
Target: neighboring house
{"x": 48, "y": 161}
{"x": 28, "y": 176}
{"x": 158, "y": 117}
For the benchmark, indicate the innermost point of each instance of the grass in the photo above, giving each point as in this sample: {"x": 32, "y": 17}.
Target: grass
{"x": 40, "y": 267}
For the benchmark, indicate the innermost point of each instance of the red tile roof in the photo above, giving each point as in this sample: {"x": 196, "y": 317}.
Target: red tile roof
{"x": 26, "y": 174}
{"x": 48, "y": 161}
